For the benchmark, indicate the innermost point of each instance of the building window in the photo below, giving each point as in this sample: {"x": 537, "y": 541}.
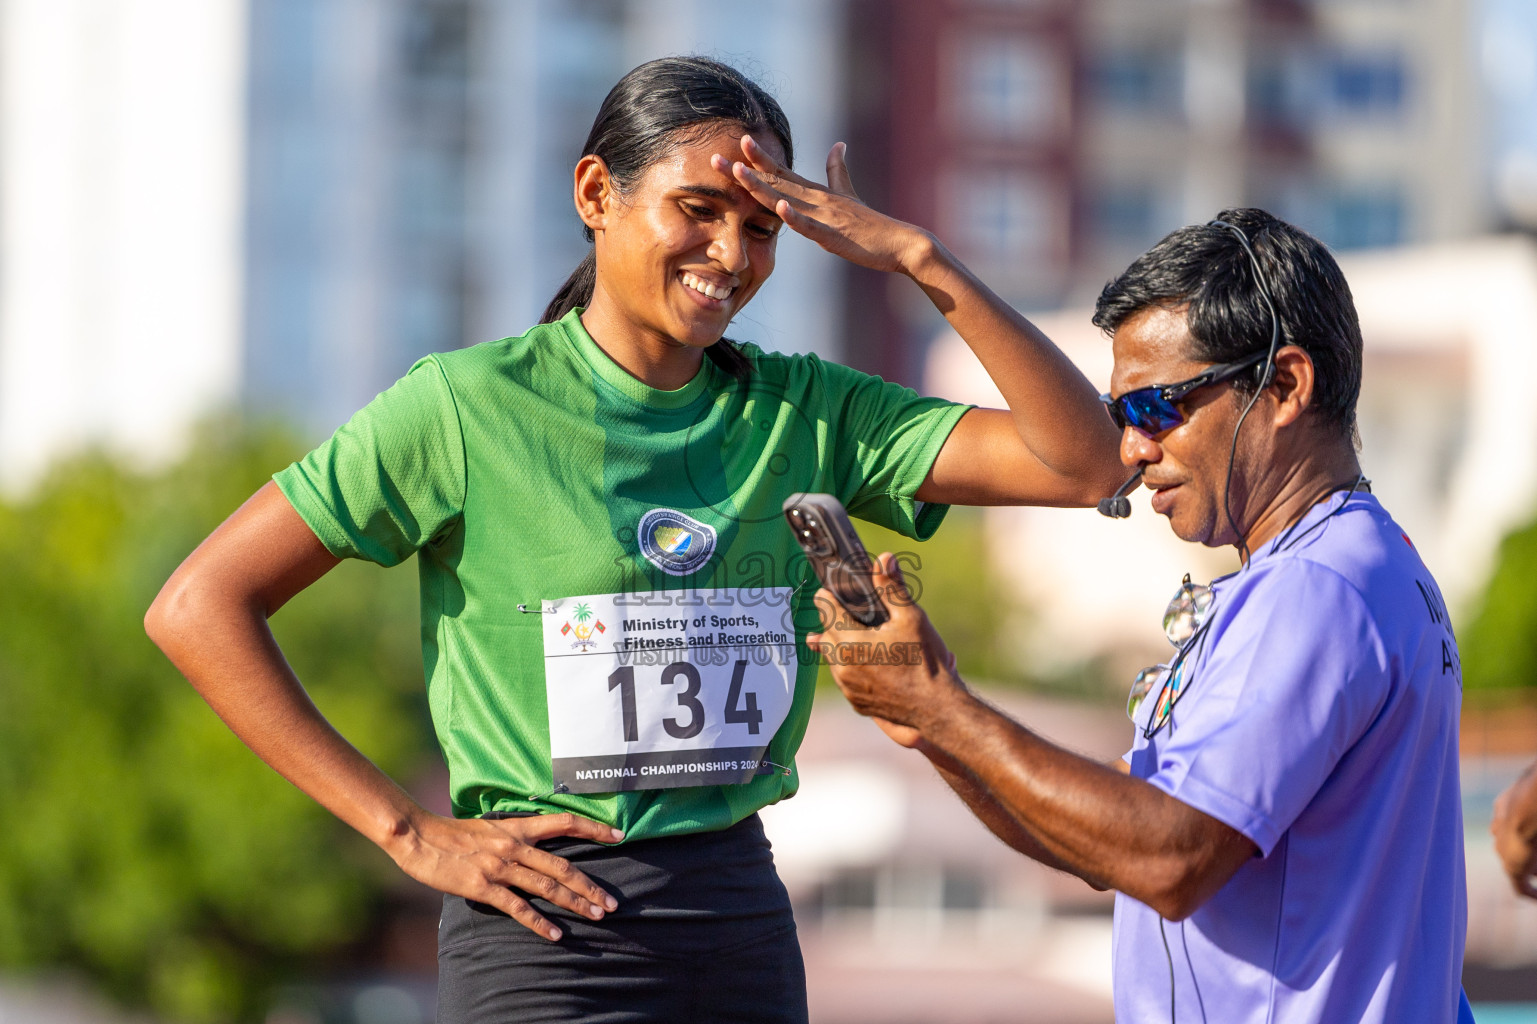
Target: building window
{"x": 1363, "y": 217}
{"x": 1125, "y": 214}
{"x": 1145, "y": 80}
{"x": 1304, "y": 86}
{"x": 1003, "y": 216}
{"x": 1272, "y": 92}
{"x": 427, "y": 318}
{"x": 1343, "y": 214}
{"x": 435, "y": 39}
{"x": 430, "y": 204}
{"x": 1364, "y": 84}
{"x": 1008, "y": 87}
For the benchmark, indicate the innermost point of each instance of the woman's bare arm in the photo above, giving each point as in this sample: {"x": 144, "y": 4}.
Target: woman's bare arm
{"x": 210, "y": 619}
{"x": 1055, "y": 445}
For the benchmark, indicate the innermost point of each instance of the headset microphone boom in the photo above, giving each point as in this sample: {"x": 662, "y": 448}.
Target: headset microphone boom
{"x": 1118, "y": 506}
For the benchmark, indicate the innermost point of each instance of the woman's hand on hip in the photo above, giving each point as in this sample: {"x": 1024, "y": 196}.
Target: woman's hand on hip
{"x": 486, "y": 859}
{"x": 831, "y": 215}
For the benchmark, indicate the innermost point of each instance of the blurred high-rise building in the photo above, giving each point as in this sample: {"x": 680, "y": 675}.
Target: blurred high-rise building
{"x": 120, "y": 222}
{"x": 409, "y": 173}
{"x": 1507, "y": 52}
{"x": 1050, "y": 141}
{"x": 281, "y": 204}
{"x": 1353, "y": 118}
{"x": 357, "y": 143}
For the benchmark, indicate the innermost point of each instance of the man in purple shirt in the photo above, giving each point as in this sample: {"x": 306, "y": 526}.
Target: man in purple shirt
{"x": 1285, "y": 834}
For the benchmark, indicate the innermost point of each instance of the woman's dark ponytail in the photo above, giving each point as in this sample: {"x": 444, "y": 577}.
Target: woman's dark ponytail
{"x": 725, "y": 355}
{"x": 577, "y": 291}
{"x": 652, "y": 109}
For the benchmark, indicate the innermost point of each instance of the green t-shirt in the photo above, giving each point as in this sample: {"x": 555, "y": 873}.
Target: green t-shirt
{"x": 520, "y": 472}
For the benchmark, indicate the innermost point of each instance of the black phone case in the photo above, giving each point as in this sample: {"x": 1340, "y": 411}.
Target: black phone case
{"x": 822, "y": 528}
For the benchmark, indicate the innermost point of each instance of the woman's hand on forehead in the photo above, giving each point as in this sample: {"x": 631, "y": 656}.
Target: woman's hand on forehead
{"x": 831, "y": 215}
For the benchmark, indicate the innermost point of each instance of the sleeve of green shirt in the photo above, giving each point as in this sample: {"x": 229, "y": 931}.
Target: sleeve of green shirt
{"x": 886, "y": 439}
{"x": 390, "y": 479}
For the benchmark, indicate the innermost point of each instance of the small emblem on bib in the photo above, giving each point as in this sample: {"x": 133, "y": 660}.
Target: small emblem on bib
{"x": 585, "y": 625}
{"x": 673, "y": 542}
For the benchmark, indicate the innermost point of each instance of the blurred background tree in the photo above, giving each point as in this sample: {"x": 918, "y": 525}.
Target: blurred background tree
{"x": 1499, "y": 646}
{"x": 147, "y": 849}
{"x": 143, "y": 844}
{"x": 953, "y": 576}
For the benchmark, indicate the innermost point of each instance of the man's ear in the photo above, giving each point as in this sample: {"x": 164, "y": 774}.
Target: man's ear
{"x": 1292, "y": 383}
{"x": 593, "y": 192}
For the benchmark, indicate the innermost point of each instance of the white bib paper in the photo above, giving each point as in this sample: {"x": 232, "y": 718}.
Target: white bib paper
{"x": 667, "y": 688}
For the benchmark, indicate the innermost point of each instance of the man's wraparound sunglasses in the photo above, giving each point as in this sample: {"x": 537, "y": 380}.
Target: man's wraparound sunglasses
{"x": 1155, "y": 409}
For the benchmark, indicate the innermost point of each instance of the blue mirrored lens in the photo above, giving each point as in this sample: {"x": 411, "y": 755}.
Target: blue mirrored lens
{"x": 1149, "y": 411}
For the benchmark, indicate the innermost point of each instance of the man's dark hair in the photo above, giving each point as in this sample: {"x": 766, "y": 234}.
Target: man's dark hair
{"x": 1204, "y": 270}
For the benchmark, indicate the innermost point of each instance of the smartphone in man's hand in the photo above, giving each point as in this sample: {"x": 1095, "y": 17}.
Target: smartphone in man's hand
{"x": 822, "y": 528}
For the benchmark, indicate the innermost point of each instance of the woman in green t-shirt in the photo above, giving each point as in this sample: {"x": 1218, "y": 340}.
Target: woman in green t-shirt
{"x": 613, "y": 613}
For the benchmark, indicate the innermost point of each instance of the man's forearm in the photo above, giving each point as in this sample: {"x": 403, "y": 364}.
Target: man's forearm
{"x": 992, "y": 814}
{"x": 1088, "y": 818}
{"x": 1093, "y": 821}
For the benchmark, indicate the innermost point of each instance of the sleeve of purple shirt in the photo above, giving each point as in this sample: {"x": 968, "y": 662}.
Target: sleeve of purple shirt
{"x": 1293, "y": 673}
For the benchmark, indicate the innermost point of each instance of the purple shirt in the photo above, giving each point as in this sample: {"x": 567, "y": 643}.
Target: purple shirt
{"x": 1319, "y": 718}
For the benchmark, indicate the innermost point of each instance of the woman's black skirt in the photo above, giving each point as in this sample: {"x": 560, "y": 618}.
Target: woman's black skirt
{"x": 703, "y": 933}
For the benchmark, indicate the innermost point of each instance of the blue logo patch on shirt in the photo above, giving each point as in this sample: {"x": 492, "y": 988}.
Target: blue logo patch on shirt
{"x": 675, "y": 543}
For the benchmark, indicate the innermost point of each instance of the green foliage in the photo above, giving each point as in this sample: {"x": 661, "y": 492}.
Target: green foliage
{"x": 1499, "y": 648}
{"x": 953, "y": 577}
{"x": 142, "y": 843}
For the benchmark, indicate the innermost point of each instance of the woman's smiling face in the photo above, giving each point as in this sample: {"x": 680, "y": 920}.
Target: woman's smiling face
{"x": 685, "y": 247}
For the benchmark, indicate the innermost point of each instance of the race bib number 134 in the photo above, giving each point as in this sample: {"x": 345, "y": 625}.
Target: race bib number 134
{"x": 683, "y": 688}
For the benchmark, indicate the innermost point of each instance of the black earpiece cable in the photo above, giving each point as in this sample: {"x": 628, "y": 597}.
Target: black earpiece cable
{"x": 1227, "y": 486}
{"x": 1264, "y": 380}
{"x": 1169, "y": 957}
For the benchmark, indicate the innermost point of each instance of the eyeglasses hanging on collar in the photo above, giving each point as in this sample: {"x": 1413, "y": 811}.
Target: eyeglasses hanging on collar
{"x": 1188, "y": 614}
{"x": 1184, "y": 622}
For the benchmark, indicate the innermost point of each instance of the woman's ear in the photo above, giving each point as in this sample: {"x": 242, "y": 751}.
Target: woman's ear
{"x": 1293, "y": 383}
{"x": 594, "y": 191}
